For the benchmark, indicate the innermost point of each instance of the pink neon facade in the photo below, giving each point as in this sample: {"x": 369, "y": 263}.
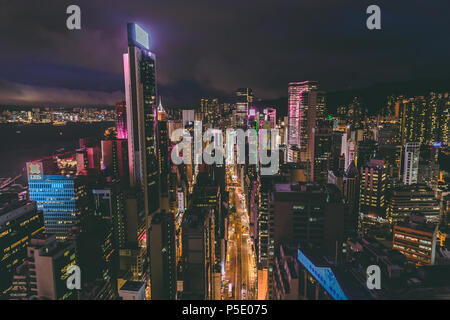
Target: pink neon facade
{"x": 296, "y": 112}
{"x": 121, "y": 120}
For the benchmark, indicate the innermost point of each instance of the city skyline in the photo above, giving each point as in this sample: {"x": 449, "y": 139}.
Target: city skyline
{"x": 245, "y": 194}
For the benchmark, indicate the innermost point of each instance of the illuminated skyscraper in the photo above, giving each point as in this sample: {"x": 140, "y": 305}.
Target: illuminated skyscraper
{"x": 306, "y": 105}
{"x": 62, "y": 197}
{"x": 121, "y": 120}
{"x": 140, "y": 92}
{"x": 162, "y": 256}
{"x": 115, "y": 159}
{"x": 244, "y": 100}
{"x": 411, "y": 162}
{"x": 163, "y": 151}
{"x": 373, "y": 188}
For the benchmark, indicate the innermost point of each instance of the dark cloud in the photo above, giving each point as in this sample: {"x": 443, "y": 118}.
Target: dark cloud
{"x": 22, "y": 94}
{"x": 211, "y": 47}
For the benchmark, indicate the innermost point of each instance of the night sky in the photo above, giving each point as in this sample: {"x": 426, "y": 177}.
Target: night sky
{"x": 212, "y": 47}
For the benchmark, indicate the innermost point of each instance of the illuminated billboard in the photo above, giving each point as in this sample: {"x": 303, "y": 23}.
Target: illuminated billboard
{"x": 35, "y": 170}
{"x": 141, "y": 36}
{"x": 138, "y": 36}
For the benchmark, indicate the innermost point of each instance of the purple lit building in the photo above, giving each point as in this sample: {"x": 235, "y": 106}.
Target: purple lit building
{"x": 121, "y": 120}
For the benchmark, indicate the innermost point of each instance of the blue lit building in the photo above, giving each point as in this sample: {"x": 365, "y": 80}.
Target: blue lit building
{"x": 62, "y": 198}
{"x": 322, "y": 279}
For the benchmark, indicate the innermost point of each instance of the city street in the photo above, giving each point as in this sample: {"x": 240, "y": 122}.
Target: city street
{"x": 240, "y": 267}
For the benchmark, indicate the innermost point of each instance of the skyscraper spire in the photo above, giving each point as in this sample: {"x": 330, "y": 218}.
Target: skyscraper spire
{"x": 160, "y": 107}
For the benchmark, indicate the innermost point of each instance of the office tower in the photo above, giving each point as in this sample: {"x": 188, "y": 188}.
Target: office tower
{"x": 411, "y": 162}
{"x": 429, "y": 169}
{"x": 367, "y": 150}
{"x": 63, "y": 197}
{"x": 88, "y": 159}
{"x": 244, "y": 99}
{"x": 115, "y": 159}
{"x": 336, "y": 148}
{"x": 312, "y": 104}
{"x": 198, "y": 253}
{"x": 97, "y": 256}
{"x": 43, "y": 274}
{"x": 208, "y": 195}
{"x": 109, "y": 203}
{"x": 163, "y": 257}
{"x": 388, "y": 134}
{"x": 410, "y": 199}
{"x": 392, "y": 154}
{"x": 19, "y": 221}
{"x": 320, "y": 148}
{"x": 140, "y": 92}
{"x": 372, "y": 200}
{"x": 416, "y": 239}
{"x": 121, "y": 120}
{"x": 350, "y": 191}
{"x": 349, "y": 185}
{"x": 163, "y": 154}
{"x": 306, "y": 215}
{"x": 348, "y": 149}
{"x": 305, "y": 105}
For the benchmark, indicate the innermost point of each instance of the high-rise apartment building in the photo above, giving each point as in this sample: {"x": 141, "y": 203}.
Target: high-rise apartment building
{"x": 411, "y": 162}
{"x": 373, "y": 181}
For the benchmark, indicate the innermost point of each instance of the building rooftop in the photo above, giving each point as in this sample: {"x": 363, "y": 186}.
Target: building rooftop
{"x": 132, "y": 286}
